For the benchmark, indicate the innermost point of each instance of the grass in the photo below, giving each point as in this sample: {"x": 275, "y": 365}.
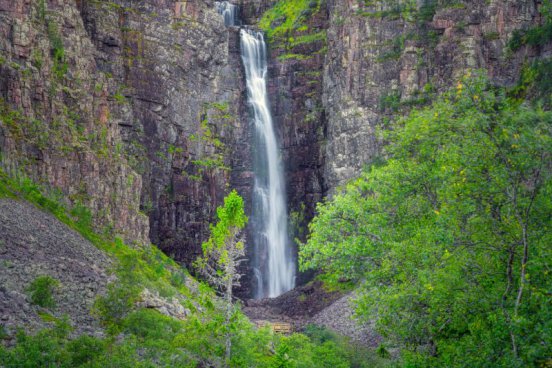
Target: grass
{"x": 140, "y": 337}
{"x": 287, "y": 26}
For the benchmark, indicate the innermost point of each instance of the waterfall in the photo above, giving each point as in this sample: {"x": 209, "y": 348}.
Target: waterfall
{"x": 274, "y": 267}
{"x": 228, "y": 11}
{"x": 269, "y": 202}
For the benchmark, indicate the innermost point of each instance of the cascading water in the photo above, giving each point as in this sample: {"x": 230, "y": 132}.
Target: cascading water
{"x": 228, "y": 11}
{"x": 269, "y": 201}
{"x": 274, "y": 268}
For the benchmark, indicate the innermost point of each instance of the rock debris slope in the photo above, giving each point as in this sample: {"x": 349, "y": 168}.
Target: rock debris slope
{"x": 33, "y": 244}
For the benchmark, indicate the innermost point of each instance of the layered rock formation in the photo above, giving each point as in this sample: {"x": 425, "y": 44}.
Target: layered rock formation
{"x": 382, "y": 60}
{"x": 331, "y": 95}
{"x": 181, "y": 73}
{"x": 130, "y": 109}
{"x": 59, "y": 115}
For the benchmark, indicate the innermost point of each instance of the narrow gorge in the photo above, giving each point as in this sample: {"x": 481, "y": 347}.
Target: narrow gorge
{"x": 391, "y": 159}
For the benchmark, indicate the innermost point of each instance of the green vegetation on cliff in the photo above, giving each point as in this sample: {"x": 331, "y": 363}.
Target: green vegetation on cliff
{"x": 286, "y": 16}
{"x": 288, "y": 26}
{"x": 536, "y": 36}
{"x": 449, "y": 239}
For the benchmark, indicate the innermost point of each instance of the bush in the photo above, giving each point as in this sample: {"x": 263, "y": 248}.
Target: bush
{"x": 85, "y": 349}
{"x": 41, "y": 291}
{"x": 443, "y": 237}
{"x": 112, "y": 308}
{"x": 152, "y": 325}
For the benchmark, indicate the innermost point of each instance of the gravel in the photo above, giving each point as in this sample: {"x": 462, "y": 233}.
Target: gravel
{"x": 34, "y": 243}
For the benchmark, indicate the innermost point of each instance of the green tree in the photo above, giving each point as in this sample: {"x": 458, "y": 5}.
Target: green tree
{"x": 450, "y": 237}
{"x": 222, "y": 254}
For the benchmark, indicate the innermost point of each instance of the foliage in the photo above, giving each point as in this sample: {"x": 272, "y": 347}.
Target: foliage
{"x": 214, "y": 116}
{"x": 85, "y": 349}
{"x": 286, "y": 16}
{"x": 535, "y": 36}
{"x": 357, "y": 355}
{"x": 225, "y": 246}
{"x": 112, "y": 308}
{"x": 222, "y": 254}
{"x": 419, "y": 12}
{"x": 58, "y": 51}
{"x": 298, "y": 352}
{"x": 153, "y": 340}
{"x": 450, "y": 237}
{"x": 41, "y": 291}
{"x": 288, "y": 28}
{"x": 42, "y": 9}
{"x": 391, "y": 9}
{"x": 535, "y": 83}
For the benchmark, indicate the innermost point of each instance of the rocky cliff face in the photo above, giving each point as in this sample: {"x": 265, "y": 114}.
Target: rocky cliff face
{"x": 179, "y": 68}
{"x": 295, "y": 86}
{"x": 130, "y": 109}
{"x": 59, "y": 114}
{"x": 382, "y": 61}
{"x": 378, "y": 60}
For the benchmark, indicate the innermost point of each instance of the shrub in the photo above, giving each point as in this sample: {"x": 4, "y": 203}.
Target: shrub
{"x": 85, "y": 349}
{"x": 151, "y": 325}
{"x": 112, "y": 308}
{"x": 41, "y": 291}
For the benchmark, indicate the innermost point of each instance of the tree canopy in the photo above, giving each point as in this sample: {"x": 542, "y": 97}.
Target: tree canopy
{"x": 450, "y": 238}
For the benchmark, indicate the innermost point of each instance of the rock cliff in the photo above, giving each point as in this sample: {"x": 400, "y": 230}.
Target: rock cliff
{"x": 130, "y": 109}
{"x": 60, "y": 113}
{"x": 180, "y": 71}
{"x": 378, "y": 60}
{"x": 383, "y": 59}
{"x": 137, "y": 110}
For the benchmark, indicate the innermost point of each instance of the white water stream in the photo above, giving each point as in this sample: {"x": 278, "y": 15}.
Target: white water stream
{"x": 228, "y": 11}
{"x": 274, "y": 267}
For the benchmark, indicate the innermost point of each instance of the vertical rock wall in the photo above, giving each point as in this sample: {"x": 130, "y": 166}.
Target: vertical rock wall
{"x": 380, "y": 64}
{"x": 331, "y": 97}
{"x": 58, "y": 115}
{"x": 131, "y": 108}
{"x": 137, "y": 109}
{"x": 182, "y": 75}
{"x": 380, "y": 60}
{"x": 295, "y": 89}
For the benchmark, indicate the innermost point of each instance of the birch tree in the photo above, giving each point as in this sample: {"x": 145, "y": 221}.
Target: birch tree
{"x": 222, "y": 255}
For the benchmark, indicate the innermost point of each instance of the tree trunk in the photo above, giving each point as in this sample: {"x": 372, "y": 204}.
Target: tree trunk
{"x": 229, "y": 282}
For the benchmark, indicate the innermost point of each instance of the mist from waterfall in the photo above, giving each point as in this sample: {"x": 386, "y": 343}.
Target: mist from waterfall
{"x": 273, "y": 264}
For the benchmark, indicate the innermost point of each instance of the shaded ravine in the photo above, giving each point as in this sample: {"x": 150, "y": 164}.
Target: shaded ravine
{"x": 272, "y": 261}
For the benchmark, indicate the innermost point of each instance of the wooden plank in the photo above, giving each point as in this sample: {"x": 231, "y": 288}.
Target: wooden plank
{"x": 277, "y": 327}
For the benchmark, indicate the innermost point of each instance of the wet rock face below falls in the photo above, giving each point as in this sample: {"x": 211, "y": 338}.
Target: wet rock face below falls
{"x": 144, "y": 120}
